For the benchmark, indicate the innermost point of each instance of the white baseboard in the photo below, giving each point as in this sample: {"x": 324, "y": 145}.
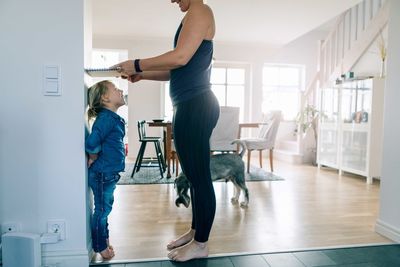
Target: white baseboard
{"x": 388, "y": 231}
{"x": 70, "y": 258}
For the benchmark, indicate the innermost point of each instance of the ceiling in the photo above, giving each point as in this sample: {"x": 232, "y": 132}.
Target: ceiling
{"x": 272, "y": 22}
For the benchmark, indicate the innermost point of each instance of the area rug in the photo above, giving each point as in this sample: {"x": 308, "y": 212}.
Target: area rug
{"x": 152, "y": 175}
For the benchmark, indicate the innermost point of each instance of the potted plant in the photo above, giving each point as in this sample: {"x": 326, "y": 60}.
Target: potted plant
{"x": 307, "y": 121}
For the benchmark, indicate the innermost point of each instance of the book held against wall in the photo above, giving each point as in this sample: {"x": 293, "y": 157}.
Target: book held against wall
{"x": 103, "y": 72}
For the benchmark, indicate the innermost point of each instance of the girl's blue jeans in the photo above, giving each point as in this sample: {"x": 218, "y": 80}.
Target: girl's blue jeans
{"x": 103, "y": 186}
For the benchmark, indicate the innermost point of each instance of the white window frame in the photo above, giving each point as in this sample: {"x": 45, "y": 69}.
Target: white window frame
{"x": 218, "y": 64}
{"x": 301, "y": 84}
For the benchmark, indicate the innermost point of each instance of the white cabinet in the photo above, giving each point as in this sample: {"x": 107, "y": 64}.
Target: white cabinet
{"x": 328, "y": 141}
{"x": 351, "y": 127}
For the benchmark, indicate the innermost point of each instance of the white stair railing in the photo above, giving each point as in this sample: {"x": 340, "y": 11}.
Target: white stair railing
{"x": 351, "y": 36}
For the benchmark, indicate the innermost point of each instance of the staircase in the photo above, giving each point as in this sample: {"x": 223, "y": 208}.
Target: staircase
{"x": 355, "y": 30}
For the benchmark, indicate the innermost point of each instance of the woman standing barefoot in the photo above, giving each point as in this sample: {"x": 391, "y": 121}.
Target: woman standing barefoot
{"x": 196, "y": 111}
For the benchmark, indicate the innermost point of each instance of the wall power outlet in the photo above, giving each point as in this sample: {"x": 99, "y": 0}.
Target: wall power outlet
{"x": 9, "y": 227}
{"x": 57, "y": 227}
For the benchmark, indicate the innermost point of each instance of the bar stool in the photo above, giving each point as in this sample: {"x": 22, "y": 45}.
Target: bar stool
{"x": 141, "y": 161}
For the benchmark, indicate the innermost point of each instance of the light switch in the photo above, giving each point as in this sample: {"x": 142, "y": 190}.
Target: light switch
{"x": 51, "y": 80}
{"x": 51, "y": 86}
{"x": 51, "y": 72}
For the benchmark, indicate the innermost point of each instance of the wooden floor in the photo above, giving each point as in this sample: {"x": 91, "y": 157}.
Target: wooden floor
{"x": 311, "y": 208}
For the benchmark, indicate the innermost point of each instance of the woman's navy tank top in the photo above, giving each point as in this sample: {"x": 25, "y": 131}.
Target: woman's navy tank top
{"x": 194, "y": 78}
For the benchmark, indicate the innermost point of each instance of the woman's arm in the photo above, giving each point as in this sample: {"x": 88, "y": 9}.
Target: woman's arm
{"x": 149, "y": 75}
{"x": 195, "y": 29}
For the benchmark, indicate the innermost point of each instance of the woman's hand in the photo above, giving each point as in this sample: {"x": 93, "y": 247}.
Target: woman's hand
{"x": 126, "y": 68}
{"x": 134, "y": 78}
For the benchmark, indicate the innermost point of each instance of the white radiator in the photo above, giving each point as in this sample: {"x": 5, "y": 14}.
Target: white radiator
{"x": 21, "y": 250}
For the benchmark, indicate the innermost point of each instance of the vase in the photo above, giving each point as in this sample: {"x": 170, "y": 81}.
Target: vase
{"x": 383, "y": 70}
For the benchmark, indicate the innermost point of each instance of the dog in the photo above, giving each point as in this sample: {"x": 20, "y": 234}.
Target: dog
{"x": 229, "y": 167}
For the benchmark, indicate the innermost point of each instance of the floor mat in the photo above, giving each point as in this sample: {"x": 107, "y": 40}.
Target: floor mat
{"x": 367, "y": 256}
{"x": 151, "y": 175}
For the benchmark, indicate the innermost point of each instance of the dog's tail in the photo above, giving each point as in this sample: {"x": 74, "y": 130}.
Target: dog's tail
{"x": 242, "y": 146}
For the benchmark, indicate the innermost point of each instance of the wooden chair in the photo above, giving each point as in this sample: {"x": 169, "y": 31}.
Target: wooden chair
{"x": 141, "y": 161}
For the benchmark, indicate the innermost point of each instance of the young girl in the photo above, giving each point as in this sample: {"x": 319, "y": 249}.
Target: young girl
{"x": 105, "y": 148}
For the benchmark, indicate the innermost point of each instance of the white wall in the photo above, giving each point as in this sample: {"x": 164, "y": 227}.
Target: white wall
{"x": 87, "y": 35}
{"x": 370, "y": 63}
{"x": 388, "y": 223}
{"x": 145, "y": 98}
{"x": 42, "y": 161}
{"x": 302, "y": 51}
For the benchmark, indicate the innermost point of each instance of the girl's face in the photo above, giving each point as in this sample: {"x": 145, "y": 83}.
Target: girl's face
{"x": 114, "y": 96}
{"x": 183, "y": 4}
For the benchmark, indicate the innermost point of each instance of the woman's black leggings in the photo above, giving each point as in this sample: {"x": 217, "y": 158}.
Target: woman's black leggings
{"x": 193, "y": 123}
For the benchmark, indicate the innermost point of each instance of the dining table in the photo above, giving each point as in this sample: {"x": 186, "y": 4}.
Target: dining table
{"x": 247, "y": 125}
{"x": 167, "y": 138}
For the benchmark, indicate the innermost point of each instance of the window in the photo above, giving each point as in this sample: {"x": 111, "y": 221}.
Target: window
{"x": 228, "y": 85}
{"x": 282, "y": 86}
{"x": 168, "y": 108}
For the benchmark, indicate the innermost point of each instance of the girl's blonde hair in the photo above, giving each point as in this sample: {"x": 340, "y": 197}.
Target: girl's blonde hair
{"x": 95, "y": 92}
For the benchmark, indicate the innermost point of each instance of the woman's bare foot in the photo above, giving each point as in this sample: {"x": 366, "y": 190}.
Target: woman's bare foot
{"x": 182, "y": 240}
{"x": 107, "y": 254}
{"x": 192, "y": 250}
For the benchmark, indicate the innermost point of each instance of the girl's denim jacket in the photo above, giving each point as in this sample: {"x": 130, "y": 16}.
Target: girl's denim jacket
{"x": 107, "y": 140}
